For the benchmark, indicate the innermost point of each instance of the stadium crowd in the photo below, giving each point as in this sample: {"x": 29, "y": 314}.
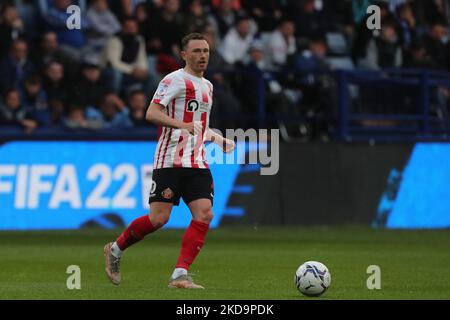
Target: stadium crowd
{"x": 102, "y": 75}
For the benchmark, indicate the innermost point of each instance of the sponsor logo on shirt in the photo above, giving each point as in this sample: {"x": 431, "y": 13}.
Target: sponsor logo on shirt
{"x": 194, "y": 106}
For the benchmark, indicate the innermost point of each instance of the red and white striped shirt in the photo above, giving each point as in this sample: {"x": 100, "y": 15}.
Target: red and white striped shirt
{"x": 186, "y": 98}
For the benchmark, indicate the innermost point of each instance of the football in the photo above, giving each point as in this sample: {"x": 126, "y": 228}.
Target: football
{"x": 312, "y": 278}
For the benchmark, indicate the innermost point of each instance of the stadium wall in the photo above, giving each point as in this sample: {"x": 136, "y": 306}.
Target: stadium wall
{"x": 78, "y": 184}
{"x": 322, "y": 184}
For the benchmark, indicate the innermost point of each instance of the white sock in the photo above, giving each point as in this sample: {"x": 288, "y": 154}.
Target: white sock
{"x": 179, "y": 272}
{"x": 115, "y": 250}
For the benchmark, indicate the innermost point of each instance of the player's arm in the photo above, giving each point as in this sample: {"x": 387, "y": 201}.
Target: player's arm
{"x": 156, "y": 115}
{"x": 225, "y": 144}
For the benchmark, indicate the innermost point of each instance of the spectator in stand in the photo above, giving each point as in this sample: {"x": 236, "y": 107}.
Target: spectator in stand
{"x": 16, "y": 65}
{"x": 125, "y": 8}
{"x": 225, "y": 17}
{"x": 235, "y": 4}
{"x": 406, "y": 25}
{"x": 437, "y": 44}
{"x": 217, "y": 64}
{"x": 195, "y": 18}
{"x": 125, "y": 54}
{"x": 316, "y": 91}
{"x": 340, "y": 14}
{"x": 418, "y": 57}
{"x": 165, "y": 32}
{"x": 146, "y": 14}
{"x": 384, "y": 51}
{"x": 311, "y": 62}
{"x": 137, "y": 104}
{"x": 363, "y": 35}
{"x": 11, "y": 27}
{"x": 56, "y": 16}
{"x": 34, "y": 100}
{"x": 76, "y": 119}
{"x": 168, "y": 27}
{"x": 281, "y": 44}
{"x": 276, "y": 100}
{"x": 414, "y": 34}
{"x": 112, "y": 114}
{"x": 226, "y": 106}
{"x": 266, "y": 13}
{"x": 29, "y": 14}
{"x": 310, "y": 22}
{"x": 90, "y": 87}
{"x": 212, "y": 34}
{"x": 237, "y": 42}
{"x": 103, "y": 25}
{"x": 57, "y": 90}
{"x": 49, "y": 51}
{"x": 432, "y": 10}
{"x": 13, "y": 114}
{"x": 359, "y": 10}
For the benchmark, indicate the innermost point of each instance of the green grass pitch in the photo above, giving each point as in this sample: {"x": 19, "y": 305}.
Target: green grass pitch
{"x": 236, "y": 263}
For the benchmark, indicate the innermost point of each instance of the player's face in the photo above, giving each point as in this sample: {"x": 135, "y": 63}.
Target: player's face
{"x": 197, "y": 55}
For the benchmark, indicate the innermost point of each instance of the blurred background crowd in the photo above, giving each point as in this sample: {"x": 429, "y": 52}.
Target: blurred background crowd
{"x": 102, "y": 76}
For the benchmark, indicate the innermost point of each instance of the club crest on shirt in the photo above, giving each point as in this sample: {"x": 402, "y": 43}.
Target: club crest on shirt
{"x": 167, "y": 194}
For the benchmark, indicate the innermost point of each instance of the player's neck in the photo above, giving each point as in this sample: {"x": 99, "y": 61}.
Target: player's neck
{"x": 193, "y": 73}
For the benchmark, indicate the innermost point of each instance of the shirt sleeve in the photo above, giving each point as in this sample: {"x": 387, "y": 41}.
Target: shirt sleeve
{"x": 168, "y": 89}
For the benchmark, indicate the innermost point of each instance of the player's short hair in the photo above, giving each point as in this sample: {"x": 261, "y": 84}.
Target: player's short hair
{"x": 189, "y": 37}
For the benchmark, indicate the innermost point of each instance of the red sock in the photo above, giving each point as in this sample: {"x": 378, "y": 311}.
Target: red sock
{"x": 135, "y": 232}
{"x": 192, "y": 242}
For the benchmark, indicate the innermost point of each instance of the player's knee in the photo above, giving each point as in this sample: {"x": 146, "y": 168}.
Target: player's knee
{"x": 159, "y": 222}
{"x": 205, "y": 215}
{"x": 158, "y": 218}
{"x": 209, "y": 216}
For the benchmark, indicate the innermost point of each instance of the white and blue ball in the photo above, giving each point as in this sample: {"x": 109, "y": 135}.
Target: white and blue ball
{"x": 312, "y": 278}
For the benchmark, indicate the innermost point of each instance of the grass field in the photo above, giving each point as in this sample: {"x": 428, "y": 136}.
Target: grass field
{"x": 236, "y": 263}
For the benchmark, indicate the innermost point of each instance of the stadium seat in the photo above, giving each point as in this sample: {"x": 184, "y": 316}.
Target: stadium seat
{"x": 336, "y": 43}
{"x": 340, "y": 63}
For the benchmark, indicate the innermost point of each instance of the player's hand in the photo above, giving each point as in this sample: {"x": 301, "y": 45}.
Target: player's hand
{"x": 198, "y": 127}
{"x": 194, "y": 128}
{"x": 228, "y": 145}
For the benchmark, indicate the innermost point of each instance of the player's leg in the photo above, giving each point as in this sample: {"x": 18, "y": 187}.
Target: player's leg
{"x": 192, "y": 243}
{"x": 162, "y": 199}
{"x": 158, "y": 216}
{"x": 194, "y": 237}
{"x": 135, "y": 232}
{"x": 198, "y": 195}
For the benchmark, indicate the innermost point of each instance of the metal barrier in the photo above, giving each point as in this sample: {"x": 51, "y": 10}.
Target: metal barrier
{"x": 413, "y": 108}
{"x": 422, "y": 112}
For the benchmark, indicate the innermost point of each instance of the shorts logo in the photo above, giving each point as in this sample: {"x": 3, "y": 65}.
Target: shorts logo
{"x": 192, "y": 105}
{"x": 167, "y": 194}
{"x": 153, "y": 187}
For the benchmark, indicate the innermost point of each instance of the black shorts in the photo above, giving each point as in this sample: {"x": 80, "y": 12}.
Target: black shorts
{"x": 169, "y": 184}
